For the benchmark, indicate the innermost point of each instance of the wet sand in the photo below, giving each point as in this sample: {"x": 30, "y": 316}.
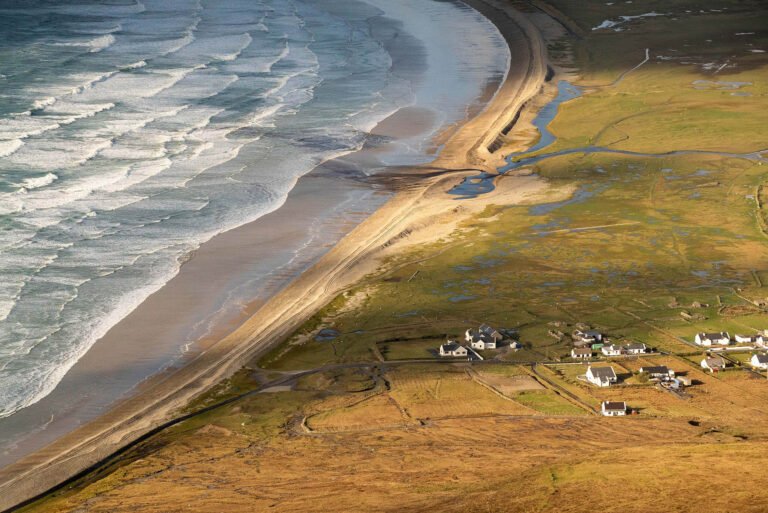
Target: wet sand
{"x": 418, "y": 214}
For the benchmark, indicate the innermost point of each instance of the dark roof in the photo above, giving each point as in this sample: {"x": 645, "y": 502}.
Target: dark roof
{"x": 449, "y": 347}
{"x": 603, "y": 372}
{"x": 593, "y": 333}
{"x": 655, "y": 369}
{"x": 615, "y": 405}
{"x": 711, "y": 336}
{"x": 762, "y": 358}
{"x": 487, "y": 329}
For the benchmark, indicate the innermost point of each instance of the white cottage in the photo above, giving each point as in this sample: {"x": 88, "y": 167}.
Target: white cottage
{"x": 581, "y": 353}
{"x": 483, "y": 338}
{"x": 749, "y": 339}
{"x": 759, "y": 361}
{"x": 612, "y": 350}
{"x": 635, "y": 348}
{"x": 453, "y": 349}
{"x": 601, "y": 376}
{"x": 658, "y": 372}
{"x": 613, "y": 408}
{"x": 713, "y": 339}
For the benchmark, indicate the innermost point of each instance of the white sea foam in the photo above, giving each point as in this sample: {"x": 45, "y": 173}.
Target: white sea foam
{"x": 40, "y": 181}
{"x": 136, "y": 65}
{"x": 122, "y": 171}
{"x": 9, "y": 147}
{"x": 45, "y": 102}
{"x": 94, "y": 45}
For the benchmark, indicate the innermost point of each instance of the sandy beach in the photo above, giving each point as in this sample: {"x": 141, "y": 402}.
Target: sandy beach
{"x": 415, "y": 214}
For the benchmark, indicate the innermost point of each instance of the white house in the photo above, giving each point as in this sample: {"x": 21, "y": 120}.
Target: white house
{"x": 713, "y": 363}
{"x": 712, "y": 339}
{"x": 483, "y": 344}
{"x": 658, "y": 372}
{"x": 613, "y": 408}
{"x": 483, "y": 338}
{"x": 635, "y": 348}
{"x": 601, "y": 376}
{"x": 453, "y": 349}
{"x": 612, "y": 350}
{"x": 749, "y": 339}
{"x": 587, "y": 337}
{"x": 759, "y": 361}
{"x": 581, "y": 353}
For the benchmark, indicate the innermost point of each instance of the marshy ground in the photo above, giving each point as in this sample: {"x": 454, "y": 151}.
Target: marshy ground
{"x": 651, "y": 248}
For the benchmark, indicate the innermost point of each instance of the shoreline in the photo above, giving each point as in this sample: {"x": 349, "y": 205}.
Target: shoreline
{"x": 355, "y": 256}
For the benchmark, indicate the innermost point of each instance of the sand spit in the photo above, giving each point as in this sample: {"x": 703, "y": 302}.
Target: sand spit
{"x": 417, "y": 214}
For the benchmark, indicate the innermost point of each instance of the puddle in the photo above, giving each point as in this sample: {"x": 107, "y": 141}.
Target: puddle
{"x": 461, "y": 297}
{"x": 326, "y": 335}
{"x": 583, "y": 194}
{"x": 718, "y": 85}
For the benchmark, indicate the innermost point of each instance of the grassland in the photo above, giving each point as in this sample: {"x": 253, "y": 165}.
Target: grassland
{"x": 650, "y": 248}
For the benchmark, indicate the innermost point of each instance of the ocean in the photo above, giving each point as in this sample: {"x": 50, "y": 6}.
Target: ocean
{"x": 131, "y": 132}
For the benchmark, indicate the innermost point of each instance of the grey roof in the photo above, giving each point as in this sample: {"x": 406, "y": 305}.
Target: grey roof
{"x": 486, "y": 329}
{"x": 615, "y": 405}
{"x": 715, "y": 361}
{"x": 449, "y": 347}
{"x": 712, "y": 336}
{"x": 603, "y": 372}
{"x": 593, "y": 333}
{"x": 762, "y": 358}
{"x": 655, "y": 369}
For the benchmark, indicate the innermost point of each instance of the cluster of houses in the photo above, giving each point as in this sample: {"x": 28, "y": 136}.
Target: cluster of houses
{"x": 483, "y": 338}
{"x": 722, "y": 338}
{"x": 714, "y": 363}
{"x": 585, "y": 353}
{"x": 605, "y": 376}
{"x": 588, "y": 342}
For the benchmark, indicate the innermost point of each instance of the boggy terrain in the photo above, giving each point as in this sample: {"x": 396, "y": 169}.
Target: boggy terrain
{"x": 653, "y": 229}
